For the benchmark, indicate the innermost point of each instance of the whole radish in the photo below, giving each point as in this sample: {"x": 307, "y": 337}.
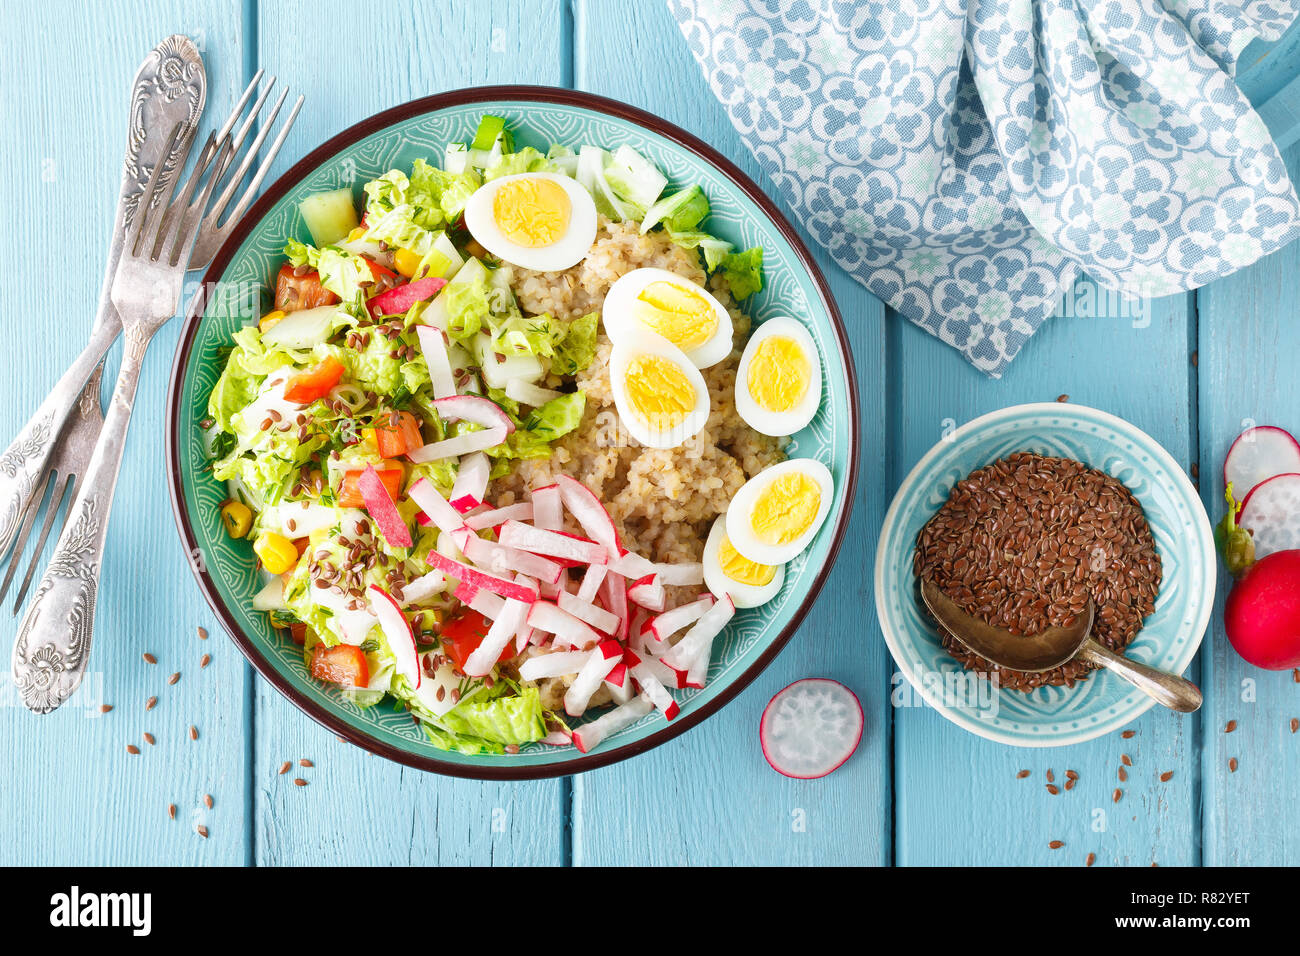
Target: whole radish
{"x": 1262, "y": 613}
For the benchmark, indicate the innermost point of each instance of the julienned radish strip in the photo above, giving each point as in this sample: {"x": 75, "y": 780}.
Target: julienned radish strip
{"x": 382, "y": 509}
{"x": 632, "y": 566}
{"x": 500, "y": 559}
{"x": 481, "y": 579}
{"x": 647, "y": 593}
{"x": 555, "y": 664}
{"x": 810, "y": 728}
{"x": 597, "y": 617}
{"x": 465, "y": 444}
{"x": 490, "y": 605}
{"x": 653, "y": 688}
{"x": 613, "y": 594}
{"x": 670, "y": 622}
{"x": 516, "y": 534}
{"x": 680, "y": 575}
{"x": 665, "y": 674}
{"x": 423, "y": 587}
{"x": 700, "y": 637}
{"x": 501, "y": 633}
{"x": 475, "y": 409}
{"x": 590, "y": 513}
{"x": 698, "y": 673}
{"x": 548, "y": 508}
{"x": 529, "y": 394}
{"x": 567, "y": 629}
{"x": 619, "y": 684}
{"x": 397, "y": 631}
{"x": 470, "y": 487}
{"x": 433, "y": 504}
{"x": 589, "y": 736}
{"x": 599, "y": 663}
{"x": 397, "y": 301}
{"x": 434, "y": 347}
{"x": 590, "y": 586}
{"x": 523, "y": 511}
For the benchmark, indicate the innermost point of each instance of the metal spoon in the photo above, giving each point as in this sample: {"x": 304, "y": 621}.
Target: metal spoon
{"x": 1053, "y": 647}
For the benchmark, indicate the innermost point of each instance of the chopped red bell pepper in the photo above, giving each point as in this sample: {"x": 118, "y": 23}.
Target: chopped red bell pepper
{"x": 343, "y": 664}
{"x": 316, "y": 382}
{"x": 293, "y": 291}
{"x": 393, "y": 442}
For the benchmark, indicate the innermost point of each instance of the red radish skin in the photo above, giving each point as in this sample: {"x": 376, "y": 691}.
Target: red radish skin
{"x": 1262, "y": 612}
{"x": 397, "y": 630}
{"x": 382, "y": 509}
{"x": 805, "y": 746}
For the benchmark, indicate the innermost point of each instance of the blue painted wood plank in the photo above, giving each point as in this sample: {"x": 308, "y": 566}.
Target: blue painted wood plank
{"x": 959, "y": 800}
{"x": 1249, "y": 340}
{"x": 72, "y": 794}
{"x": 709, "y": 797}
{"x": 410, "y": 816}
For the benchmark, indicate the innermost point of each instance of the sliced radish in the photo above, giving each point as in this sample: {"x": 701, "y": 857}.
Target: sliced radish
{"x": 1271, "y": 513}
{"x": 470, "y": 486}
{"x": 619, "y": 684}
{"x": 396, "y": 301}
{"x": 382, "y": 509}
{"x": 434, "y": 347}
{"x": 443, "y": 678}
{"x": 501, "y": 633}
{"x": 599, "y": 663}
{"x": 523, "y": 511}
{"x": 597, "y": 617}
{"x": 661, "y": 671}
{"x": 529, "y": 394}
{"x": 557, "y": 738}
{"x": 613, "y": 592}
{"x": 700, "y": 637}
{"x": 680, "y": 575}
{"x": 423, "y": 588}
{"x": 810, "y": 728}
{"x": 633, "y": 566}
{"x": 555, "y": 664}
{"x": 698, "y": 673}
{"x": 548, "y": 508}
{"x": 478, "y": 579}
{"x": 567, "y": 629}
{"x": 653, "y": 688}
{"x": 590, "y": 586}
{"x": 435, "y": 506}
{"x": 490, "y": 605}
{"x": 465, "y": 444}
{"x": 648, "y": 593}
{"x": 589, "y": 736}
{"x": 397, "y": 631}
{"x": 499, "y": 558}
{"x": 590, "y": 513}
{"x": 1258, "y": 454}
{"x": 670, "y": 622}
{"x": 475, "y": 409}
{"x": 555, "y": 544}
{"x": 465, "y": 593}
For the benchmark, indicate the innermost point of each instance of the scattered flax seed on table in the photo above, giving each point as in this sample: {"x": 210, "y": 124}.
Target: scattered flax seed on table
{"x": 1118, "y": 793}
{"x": 194, "y": 732}
{"x": 304, "y": 762}
{"x": 1129, "y": 734}
{"x": 207, "y": 800}
{"x": 1071, "y": 775}
{"x": 284, "y": 767}
{"x": 1232, "y": 725}
{"x": 150, "y": 703}
{"x": 150, "y": 659}
{"x": 203, "y": 634}
{"x": 105, "y": 708}
{"x": 1126, "y": 760}
{"x": 1055, "y": 845}
{"x": 1069, "y": 784}
{"x": 148, "y": 738}
{"x": 1092, "y": 858}
{"x": 1123, "y": 775}
{"x": 1295, "y": 724}
{"x": 132, "y": 749}
{"x": 202, "y": 831}
{"x": 1022, "y": 775}
{"x": 171, "y": 810}
{"x": 1050, "y": 777}
{"x": 1166, "y": 776}
{"x": 174, "y": 678}
{"x": 299, "y": 782}
{"x": 1295, "y": 675}
{"x": 1232, "y": 765}
{"x": 1062, "y": 398}
{"x": 1053, "y": 789}
{"x": 206, "y": 660}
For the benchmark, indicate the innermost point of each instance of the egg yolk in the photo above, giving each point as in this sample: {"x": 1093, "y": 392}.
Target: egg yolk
{"x": 740, "y": 569}
{"x": 786, "y": 508}
{"x": 659, "y": 392}
{"x": 532, "y": 212}
{"x": 679, "y": 314}
{"x": 778, "y": 374}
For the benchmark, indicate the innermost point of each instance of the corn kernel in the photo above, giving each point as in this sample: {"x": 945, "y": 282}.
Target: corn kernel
{"x": 237, "y": 518}
{"x": 277, "y": 552}
{"x": 270, "y": 320}
{"x": 406, "y": 262}
{"x": 356, "y": 234}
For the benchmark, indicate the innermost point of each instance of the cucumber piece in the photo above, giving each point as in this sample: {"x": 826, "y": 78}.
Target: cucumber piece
{"x": 330, "y": 216}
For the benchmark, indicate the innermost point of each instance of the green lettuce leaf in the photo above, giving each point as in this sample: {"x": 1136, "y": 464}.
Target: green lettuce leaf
{"x": 744, "y": 271}
{"x": 526, "y": 160}
{"x": 683, "y": 211}
{"x": 508, "y": 718}
{"x": 575, "y": 351}
{"x": 715, "y": 250}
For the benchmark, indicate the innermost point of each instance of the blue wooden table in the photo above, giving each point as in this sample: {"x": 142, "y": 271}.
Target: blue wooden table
{"x": 1189, "y": 369}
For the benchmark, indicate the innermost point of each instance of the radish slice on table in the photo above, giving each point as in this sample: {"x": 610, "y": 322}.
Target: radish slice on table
{"x": 397, "y": 631}
{"x": 548, "y": 508}
{"x": 501, "y": 633}
{"x": 1271, "y": 513}
{"x": 555, "y": 664}
{"x": 810, "y": 728}
{"x": 473, "y": 408}
{"x": 554, "y": 544}
{"x": 433, "y": 504}
{"x": 434, "y": 347}
{"x": 465, "y": 444}
{"x": 475, "y": 578}
{"x": 470, "y": 486}
{"x": 590, "y": 512}
{"x": 593, "y": 673}
{"x": 1258, "y": 454}
{"x": 382, "y": 509}
{"x": 523, "y": 511}
{"x": 699, "y": 639}
{"x": 589, "y": 736}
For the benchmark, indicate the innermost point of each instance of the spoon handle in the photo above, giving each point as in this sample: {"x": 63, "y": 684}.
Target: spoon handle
{"x": 1173, "y": 692}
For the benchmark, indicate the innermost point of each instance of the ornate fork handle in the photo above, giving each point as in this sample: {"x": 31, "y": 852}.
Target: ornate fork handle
{"x": 23, "y": 464}
{"x": 53, "y": 642}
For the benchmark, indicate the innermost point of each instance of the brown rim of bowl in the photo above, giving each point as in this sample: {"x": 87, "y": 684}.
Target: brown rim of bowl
{"x": 321, "y": 155}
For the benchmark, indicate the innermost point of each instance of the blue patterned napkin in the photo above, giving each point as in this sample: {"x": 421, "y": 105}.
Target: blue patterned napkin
{"x": 964, "y": 159}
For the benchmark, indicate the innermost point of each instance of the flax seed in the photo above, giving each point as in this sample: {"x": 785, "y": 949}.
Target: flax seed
{"x": 1166, "y": 776}
{"x": 284, "y": 767}
{"x": 194, "y": 732}
{"x": 1092, "y": 858}
{"x": 205, "y": 660}
{"x": 1123, "y": 775}
{"x": 1050, "y": 777}
{"x": 1129, "y": 734}
{"x": 202, "y": 831}
{"x": 203, "y": 634}
{"x": 174, "y": 678}
{"x": 1118, "y": 793}
{"x": 1022, "y": 775}
{"x": 1232, "y": 725}
{"x": 207, "y": 800}
{"x": 151, "y": 703}
{"x": 1232, "y": 765}
{"x": 1126, "y": 760}
{"x": 1055, "y": 845}
{"x": 148, "y": 738}
{"x": 304, "y": 762}
{"x": 171, "y": 810}
{"x": 132, "y": 749}
{"x": 1295, "y": 724}
{"x": 150, "y": 659}
{"x": 299, "y": 782}
{"x": 1053, "y": 789}
{"x": 105, "y": 708}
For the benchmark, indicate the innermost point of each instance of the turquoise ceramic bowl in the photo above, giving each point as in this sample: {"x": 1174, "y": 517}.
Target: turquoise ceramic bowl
{"x": 243, "y": 271}
{"x": 1050, "y": 716}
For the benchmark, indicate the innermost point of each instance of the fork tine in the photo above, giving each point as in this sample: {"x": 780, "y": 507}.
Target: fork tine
{"x": 251, "y": 192}
{"x": 20, "y": 542}
{"x": 56, "y": 502}
{"x": 234, "y": 180}
{"x": 165, "y": 200}
{"x": 144, "y": 205}
{"x": 249, "y": 120}
{"x": 186, "y": 231}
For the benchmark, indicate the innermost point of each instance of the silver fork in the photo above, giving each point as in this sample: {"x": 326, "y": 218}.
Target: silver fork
{"x": 53, "y": 642}
{"x": 68, "y": 462}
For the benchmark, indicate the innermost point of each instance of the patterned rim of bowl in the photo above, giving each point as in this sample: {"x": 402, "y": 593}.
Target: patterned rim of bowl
{"x": 763, "y": 649}
{"x": 1171, "y": 635}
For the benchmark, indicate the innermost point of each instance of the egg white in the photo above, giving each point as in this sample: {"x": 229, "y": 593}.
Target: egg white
{"x": 765, "y": 420}
{"x": 567, "y": 251}
{"x": 620, "y": 313}
{"x": 742, "y": 595}
{"x": 739, "y": 525}
{"x": 641, "y": 341}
